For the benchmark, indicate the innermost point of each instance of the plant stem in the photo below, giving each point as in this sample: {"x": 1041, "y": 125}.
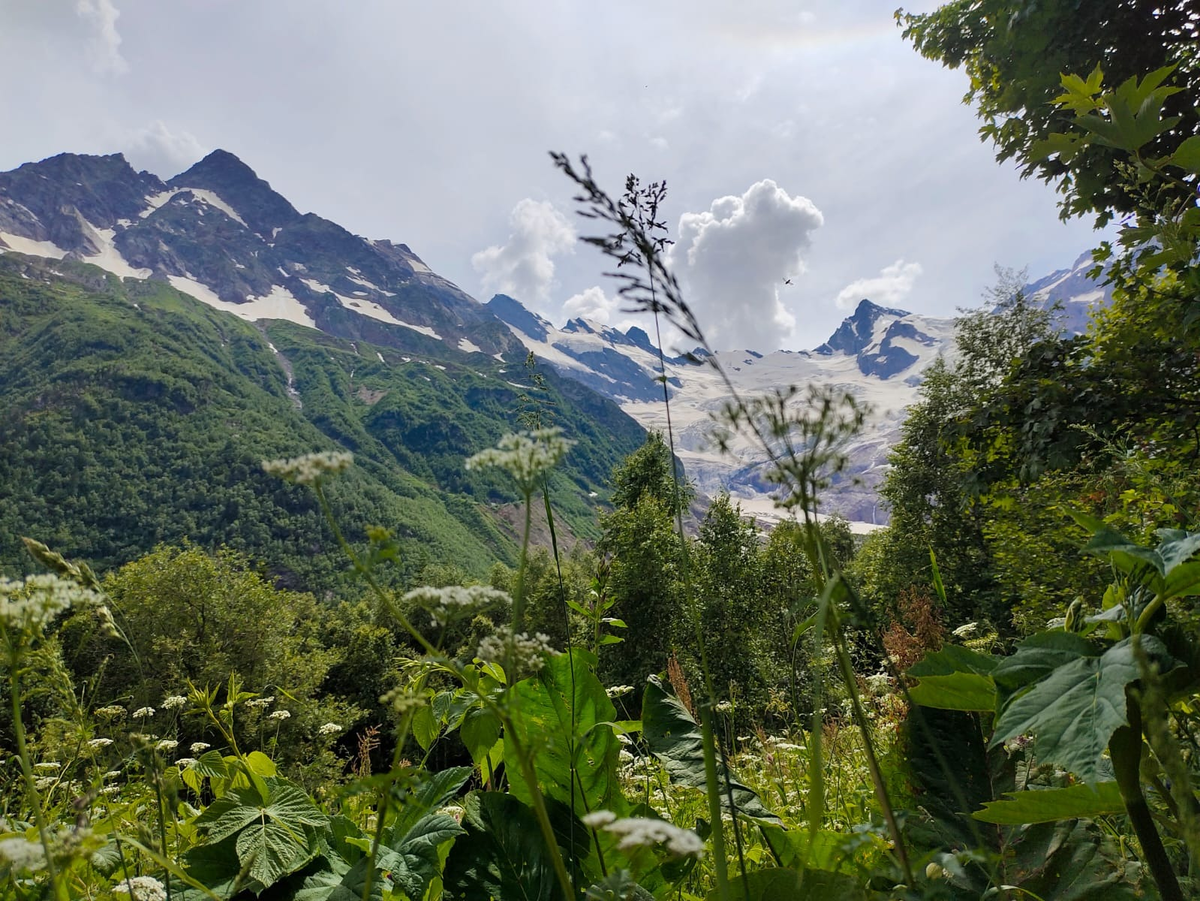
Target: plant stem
{"x": 539, "y": 810}
{"x": 1125, "y": 748}
{"x": 860, "y": 718}
{"x": 14, "y": 689}
{"x": 519, "y": 599}
{"x": 712, "y": 787}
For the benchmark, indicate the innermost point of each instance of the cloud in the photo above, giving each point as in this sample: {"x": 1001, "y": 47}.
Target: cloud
{"x": 105, "y": 50}
{"x": 163, "y": 151}
{"x": 524, "y": 266}
{"x": 733, "y": 259}
{"x": 893, "y": 284}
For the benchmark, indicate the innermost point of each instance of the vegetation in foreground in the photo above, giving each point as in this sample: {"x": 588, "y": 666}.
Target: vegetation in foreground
{"x": 962, "y": 707}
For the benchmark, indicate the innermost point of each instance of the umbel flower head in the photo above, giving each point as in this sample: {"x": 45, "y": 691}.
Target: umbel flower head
{"x": 455, "y": 602}
{"x": 526, "y": 456}
{"x": 640, "y": 832}
{"x": 30, "y": 604}
{"x": 309, "y": 469}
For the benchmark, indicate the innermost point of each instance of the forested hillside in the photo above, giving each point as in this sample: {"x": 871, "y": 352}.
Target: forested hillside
{"x": 160, "y": 410}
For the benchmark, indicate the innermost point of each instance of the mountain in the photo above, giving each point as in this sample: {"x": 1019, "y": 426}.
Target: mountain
{"x": 223, "y": 235}
{"x": 159, "y": 339}
{"x": 877, "y": 354}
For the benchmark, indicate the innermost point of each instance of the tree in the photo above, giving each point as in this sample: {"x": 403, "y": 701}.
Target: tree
{"x": 648, "y": 470}
{"x": 729, "y": 582}
{"x": 1015, "y": 54}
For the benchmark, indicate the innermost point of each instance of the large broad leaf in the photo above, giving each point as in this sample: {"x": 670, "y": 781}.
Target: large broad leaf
{"x": 951, "y": 776}
{"x": 1069, "y": 861}
{"x": 417, "y": 858}
{"x": 502, "y": 855}
{"x": 216, "y": 866}
{"x": 270, "y": 850}
{"x": 1073, "y": 712}
{"x": 777, "y": 884}
{"x": 1052, "y": 804}
{"x": 675, "y": 739}
{"x": 1036, "y": 658}
{"x": 563, "y": 718}
{"x": 433, "y": 791}
{"x": 954, "y": 678}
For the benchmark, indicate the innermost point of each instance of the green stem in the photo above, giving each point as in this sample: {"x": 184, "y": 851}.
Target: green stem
{"x": 540, "y": 812}
{"x": 519, "y": 599}
{"x": 712, "y": 787}
{"x": 162, "y": 820}
{"x": 860, "y": 718}
{"x": 1125, "y": 748}
{"x": 14, "y": 688}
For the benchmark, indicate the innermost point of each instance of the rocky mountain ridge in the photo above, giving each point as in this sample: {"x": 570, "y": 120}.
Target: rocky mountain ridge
{"x": 221, "y": 234}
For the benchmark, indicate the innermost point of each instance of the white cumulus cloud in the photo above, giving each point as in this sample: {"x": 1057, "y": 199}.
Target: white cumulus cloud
{"x": 734, "y": 259}
{"x": 592, "y": 304}
{"x": 523, "y": 266}
{"x": 105, "y": 46}
{"x": 893, "y": 284}
{"x": 163, "y": 150}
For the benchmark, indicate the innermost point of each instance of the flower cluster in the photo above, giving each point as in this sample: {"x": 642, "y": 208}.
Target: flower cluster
{"x": 174, "y": 702}
{"x": 526, "y": 456}
{"x": 31, "y": 603}
{"x": 143, "y": 713}
{"x": 260, "y": 703}
{"x": 112, "y": 711}
{"x": 329, "y": 729}
{"x": 517, "y": 653}
{"x": 455, "y": 602}
{"x": 21, "y": 854}
{"x": 279, "y": 715}
{"x": 199, "y": 747}
{"x": 640, "y": 832}
{"x": 309, "y": 469}
{"x": 141, "y": 888}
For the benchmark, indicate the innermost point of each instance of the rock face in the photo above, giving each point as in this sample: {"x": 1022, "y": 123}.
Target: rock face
{"x": 222, "y": 234}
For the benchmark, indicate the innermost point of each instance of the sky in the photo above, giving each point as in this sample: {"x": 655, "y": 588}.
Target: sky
{"x": 812, "y": 157}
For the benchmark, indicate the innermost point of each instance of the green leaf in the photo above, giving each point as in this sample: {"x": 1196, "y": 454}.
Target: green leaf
{"x": 417, "y": 859}
{"x": 502, "y": 855}
{"x": 954, "y": 678}
{"x": 1187, "y": 155}
{"x": 1069, "y": 861}
{"x": 777, "y": 884}
{"x": 1037, "y": 657}
{"x": 1049, "y": 805}
{"x": 617, "y": 886}
{"x": 211, "y": 764}
{"x": 1176, "y": 548}
{"x": 563, "y": 718}
{"x": 271, "y": 850}
{"x": 961, "y": 691}
{"x": 674, "y": 738}
{"x": 1074, "y": 710}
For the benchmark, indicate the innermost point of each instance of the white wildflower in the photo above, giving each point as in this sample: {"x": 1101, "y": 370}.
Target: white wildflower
{"x": 185, "y": 763}
{"x": 618, "y": 691}
{"x": 111, "y": 712}
{"x": 112, "y": 774}
{"x": 724, "y": 707}
{"x": 21, "y": 854}
{"x": 879, "y": 683}
{"x": 525, "y": 455}
{"x": 625, "y": 756}
{"x": 261, "y": 703}
{"x": 47, "y": 765}
{"x": 329, "y": 729}
{"x": 97, "y": 743}
{"x": 280, "y": 715}
{"x": 141, "y": 888}
{"x": 143, "y": 713}
{"x": 309, "y": 469}
{"x": 639, "y": 832}
{"x": 167, "y": 744}
{"x": 517, "y": 652}
{"x": 199, "y": 747}
{"x": 966, "y": 630}
{"x": 44, "y": 782}
{"x": 455, "y": 602}
{"x": 110, "y": 789}
{"x": 174, "y": 702}
{"x": 32, "y": 602}
{"x": 453, "y": 811}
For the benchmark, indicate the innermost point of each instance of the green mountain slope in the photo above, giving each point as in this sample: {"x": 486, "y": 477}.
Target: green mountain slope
{"x": 131, "y": 414}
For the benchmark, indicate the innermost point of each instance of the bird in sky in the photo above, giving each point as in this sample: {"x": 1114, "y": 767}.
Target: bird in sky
{"x": 787, "y": 281}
